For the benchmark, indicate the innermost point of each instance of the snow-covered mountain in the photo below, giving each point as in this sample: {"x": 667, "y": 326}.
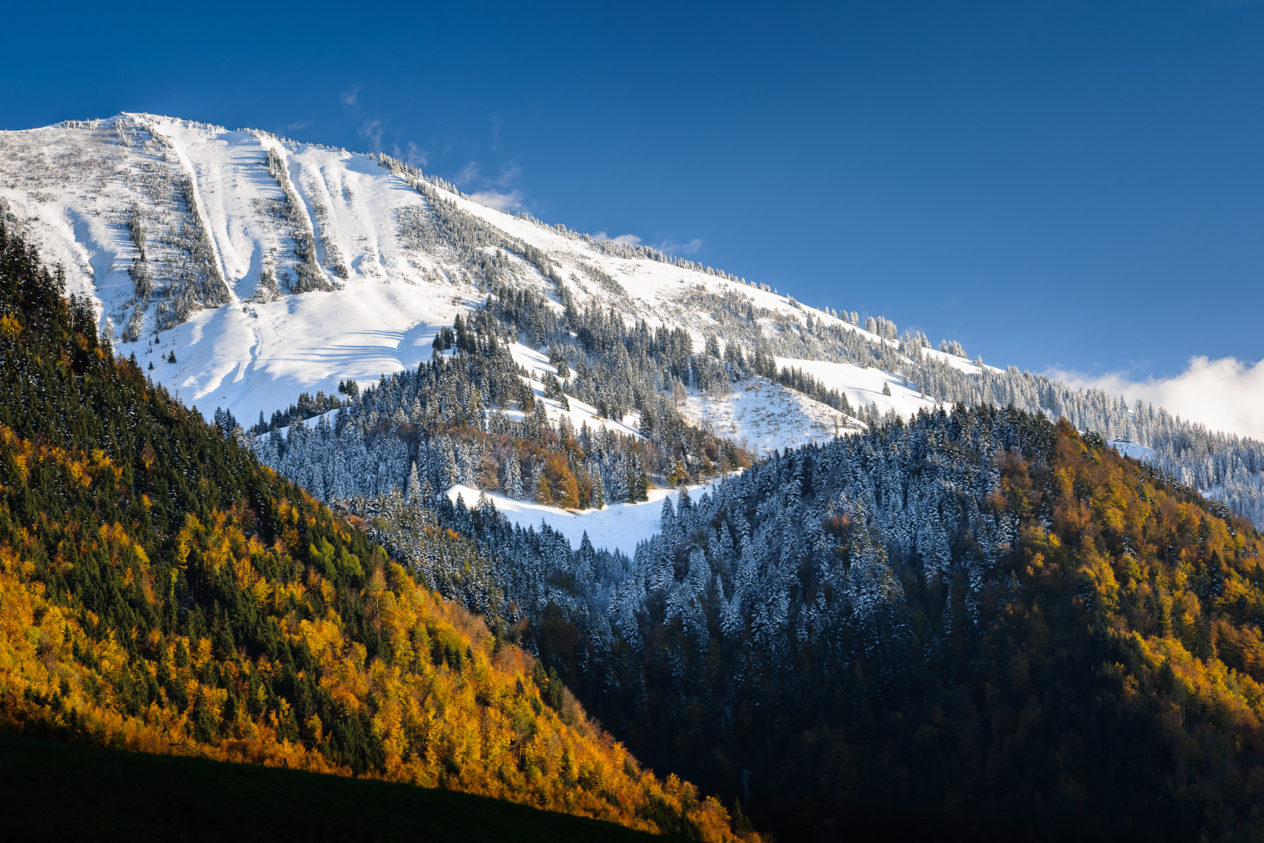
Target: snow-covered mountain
{"x": 243, "y": 269}
{"x": 267, "y": 268}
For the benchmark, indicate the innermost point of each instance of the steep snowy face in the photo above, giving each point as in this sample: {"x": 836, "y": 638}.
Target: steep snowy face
{"x": 264, "y": 268}
{"x": 245, "y": 269}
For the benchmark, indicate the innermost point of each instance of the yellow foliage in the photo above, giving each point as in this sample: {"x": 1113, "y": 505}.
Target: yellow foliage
{"x": 468, "y": 718}
{"x": 9, "y": 327}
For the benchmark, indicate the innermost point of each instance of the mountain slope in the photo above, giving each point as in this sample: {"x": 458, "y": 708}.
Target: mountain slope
{"x": 978, "y": 625}
{"x": 926, "y": 614}
{"x": 273, "y": 268}
{"x": 394, "y": 250}
{"x": 981, "y": 622}
{"x": 160, "y": 591}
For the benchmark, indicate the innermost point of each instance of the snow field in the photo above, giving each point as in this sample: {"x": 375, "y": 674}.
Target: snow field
{"x": 619, "y": 526}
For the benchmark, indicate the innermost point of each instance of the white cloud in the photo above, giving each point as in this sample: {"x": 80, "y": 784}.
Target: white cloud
{"x": 472, "y": 173}
{"x": 499, "y": 192}
{"x": 414, "y": 155}
{"x": 672, "y": 248}
{"x": 299, "y": 124}
{"x": 371, "y": 131}
{"x": 376, "y": 131}
{"x": 1224, "y": 394}
{"x": 509, "y": 174}
{"x": 469, "y": 173}
{"x": 625, "y": 239}
{"x": 499, "y": 200}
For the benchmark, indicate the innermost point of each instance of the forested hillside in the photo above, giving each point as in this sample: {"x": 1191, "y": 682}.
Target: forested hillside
{"x": 978, "y": 622}
{"x": 160, "y": 591}
{"x": 469, "y": 416}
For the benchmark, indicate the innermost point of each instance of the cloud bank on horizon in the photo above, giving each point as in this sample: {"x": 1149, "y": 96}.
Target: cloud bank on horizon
{"x": 1225, "y": 394}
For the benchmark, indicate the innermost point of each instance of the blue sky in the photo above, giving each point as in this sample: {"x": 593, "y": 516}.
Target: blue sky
{"x": 1071, "y": 185}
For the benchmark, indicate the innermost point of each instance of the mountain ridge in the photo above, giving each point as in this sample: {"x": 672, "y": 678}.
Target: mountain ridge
{"x": 244, "y": 270}
{"x": 246, "y": 275}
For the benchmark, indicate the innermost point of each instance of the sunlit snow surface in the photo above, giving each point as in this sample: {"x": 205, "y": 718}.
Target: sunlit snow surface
{"x": 764, "y": 417}
{"x": 395, "y": 279}
{"x": 1132, "y": 449}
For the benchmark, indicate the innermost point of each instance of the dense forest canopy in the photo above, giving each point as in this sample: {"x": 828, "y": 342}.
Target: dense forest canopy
{"x": 846, "y": 629}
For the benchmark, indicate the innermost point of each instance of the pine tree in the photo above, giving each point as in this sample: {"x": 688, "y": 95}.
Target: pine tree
{"x": 449, "y": 472}
{"x": 413, "y": 495}
{"x": 513, "y": 477}
{"x": 598, "y": 500}
{"x": 537, "y": 477}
